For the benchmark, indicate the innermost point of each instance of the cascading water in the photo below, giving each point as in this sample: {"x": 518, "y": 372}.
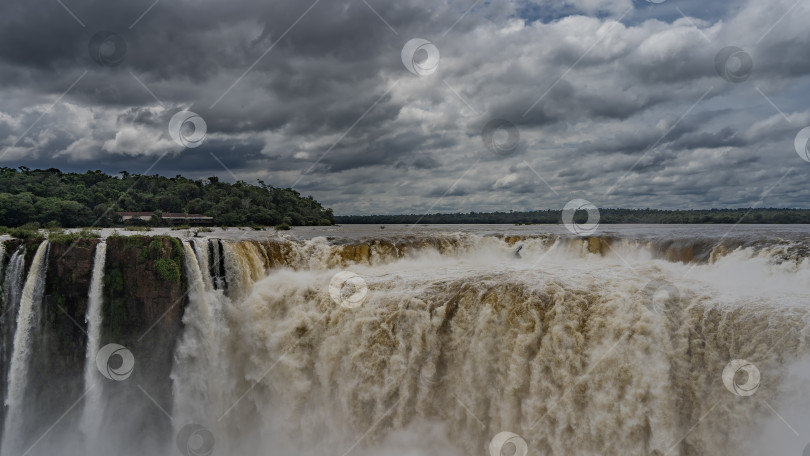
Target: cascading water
{"x": 216, "y": 268}
{"x": 18, "y": 371}
{"x": 2, "y": 264}
{"x": 9, "y": 299}
{"x": 12, "y": 288}
{"x": 200, "y": 249}
{"x": 199, "y": 366}
{"x": 457, "y": 340}
{"x": 434, "y": 344}
{"x": 244, "y": 264}
{"x": 93, "y": 408}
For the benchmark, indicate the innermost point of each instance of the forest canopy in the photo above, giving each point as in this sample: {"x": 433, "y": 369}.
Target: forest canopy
{"x": 53, "y": 198}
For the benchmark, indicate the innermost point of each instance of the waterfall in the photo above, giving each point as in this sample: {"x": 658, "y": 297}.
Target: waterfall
{"x": 199, "y": 367}
{"x": 31, "y": 298}
{"x": 201, "y": 248}
{"x": 244, "y": 265}
{"x": 92, "y": 414}
{"x": 560, "y": 347}
{"x": 217, "y": 267}
{"x": 12, "y": 287}
{"x": 10, "y": 299}
{"x": 451, "y": 342}
{"x": 2, "y": 257}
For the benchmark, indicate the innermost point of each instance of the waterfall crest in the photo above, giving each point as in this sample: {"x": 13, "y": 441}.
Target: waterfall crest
{"x": 30, "y": 299}
{"x": 245, "y": 263}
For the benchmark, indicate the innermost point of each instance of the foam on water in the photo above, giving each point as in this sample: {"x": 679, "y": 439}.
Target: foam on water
{"x": 559, "y": 346}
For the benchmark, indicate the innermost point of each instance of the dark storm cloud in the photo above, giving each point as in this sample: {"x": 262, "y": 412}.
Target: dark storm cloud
{"x": 315, "y": 94}
{"x": 726, "y": 137}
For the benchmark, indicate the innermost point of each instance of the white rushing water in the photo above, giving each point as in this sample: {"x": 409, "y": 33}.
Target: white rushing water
{"x": 436, "y": 344}
{"x": 2, "y": 263}
{"x": 93, "y": 407}
{"x": 12, "y": 284}
{"x": 12, "y": 288}
{"x": 459, "y": 340}
{"x": 31, "y": 298}
{"x": 199, "y": 368}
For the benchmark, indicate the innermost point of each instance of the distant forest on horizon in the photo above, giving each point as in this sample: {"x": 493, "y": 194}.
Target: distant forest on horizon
{"x": 52, "y": 198}
{"x": 607, "y": 216}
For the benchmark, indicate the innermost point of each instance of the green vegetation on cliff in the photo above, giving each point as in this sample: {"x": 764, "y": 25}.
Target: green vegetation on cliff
{"x": 141, "y": 271}
{"x": 53, "y": 198}
{"x": 167, "y": 263}
{"x": 651, "y": 216}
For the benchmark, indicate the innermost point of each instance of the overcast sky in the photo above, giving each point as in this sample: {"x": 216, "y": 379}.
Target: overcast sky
{"x": 619, "y": 102}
